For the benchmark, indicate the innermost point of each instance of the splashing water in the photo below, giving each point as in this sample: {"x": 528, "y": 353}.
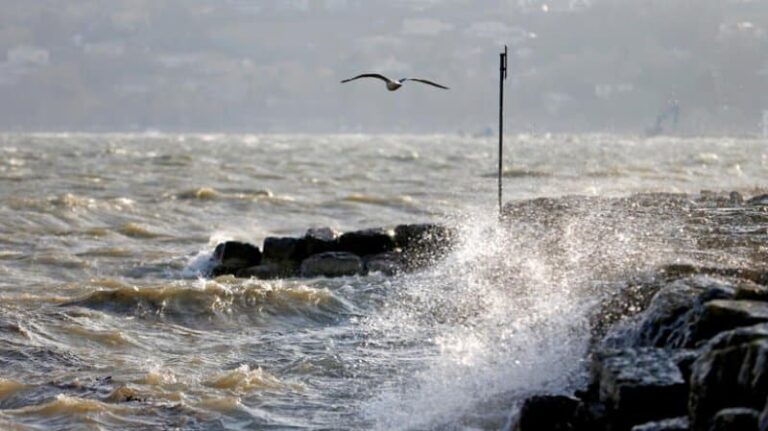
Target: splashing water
{"x": 505, "y": 315}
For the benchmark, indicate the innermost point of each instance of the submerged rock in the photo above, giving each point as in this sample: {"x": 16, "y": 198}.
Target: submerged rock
{"x": 331, "y": 264}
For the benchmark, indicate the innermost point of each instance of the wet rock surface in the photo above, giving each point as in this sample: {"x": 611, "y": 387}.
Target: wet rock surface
{"x": 324, "y": 252}
{"x": 685, "y": 346}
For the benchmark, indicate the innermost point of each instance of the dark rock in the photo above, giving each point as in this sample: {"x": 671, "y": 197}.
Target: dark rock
{"x": 422, "y": 244}
{"x": 237, "y": 254}
{"x": 752, "y": 291}
{"x": 367, "y": 242}
{"x": 684, "y": 358}
{"x": 732, "y": 371}
{"x": 674, "y": 424}
{"x": 331, "y": 264}
{"x": 675, "y": 310}
{"x": 284, "y": 249}
{"x": 547, "y": 413}
{"x": 639, "y": 385}
{"x": 426, "y": 235}
{"x": 722, "y": 315}
{"x": 385, "y": 263}
{"x": 763, "y": 420}
{"x": 591, "y": 415}
{"x": 321, "y": 240}
{"x": 735, "y": 419}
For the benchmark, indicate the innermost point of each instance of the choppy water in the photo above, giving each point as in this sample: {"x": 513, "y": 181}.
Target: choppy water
{"x": 105, "y": 324}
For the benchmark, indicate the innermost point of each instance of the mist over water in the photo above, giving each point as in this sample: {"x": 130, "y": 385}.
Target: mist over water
{"x": 105, "y": 321}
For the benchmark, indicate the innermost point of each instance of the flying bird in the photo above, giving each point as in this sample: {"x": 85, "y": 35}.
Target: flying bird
{"x": 393, "y": 85}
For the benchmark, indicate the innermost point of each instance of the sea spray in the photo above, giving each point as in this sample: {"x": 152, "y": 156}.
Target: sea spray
{"x": 506, "y": 314}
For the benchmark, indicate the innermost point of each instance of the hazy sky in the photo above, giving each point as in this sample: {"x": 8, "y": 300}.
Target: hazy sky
{"x": 275, "y": 66}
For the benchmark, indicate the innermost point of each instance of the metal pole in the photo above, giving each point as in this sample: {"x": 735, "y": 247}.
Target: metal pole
{"x": 502, "y": 77}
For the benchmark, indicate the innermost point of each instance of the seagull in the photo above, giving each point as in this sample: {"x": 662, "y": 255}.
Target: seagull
{"x": 393, "y": 85}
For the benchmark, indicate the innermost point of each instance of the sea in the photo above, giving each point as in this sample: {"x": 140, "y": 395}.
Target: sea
{"x": 108, "y": 321}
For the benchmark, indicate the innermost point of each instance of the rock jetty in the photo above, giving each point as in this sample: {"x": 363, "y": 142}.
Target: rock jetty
{"x": 327, "y": 253}
{"x": 694, "y": 357}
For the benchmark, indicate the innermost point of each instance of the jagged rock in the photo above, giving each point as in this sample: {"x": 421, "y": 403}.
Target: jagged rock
{"x": 674, "y": 424}
{"x": 237, "y": 254}
{"x": 732, "y": 371}
{"x": 284, "y": 249}
{"x": 547, "y": 413}
{"x": 321, "y": 240}
{"x": 639, "y": 385}
{"x": 684, "y": 358}
{"x": 675, "y": 309}
{"x": 385, "y": 263}
{"x": 723, "y": 315}
{"x": 331, "y": 264}
{"x": 735, "y": 419}
{"x": 367, "y": 242}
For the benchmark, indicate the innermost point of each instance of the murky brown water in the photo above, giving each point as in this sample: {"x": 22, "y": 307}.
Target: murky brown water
{"x": 105, "y": 324}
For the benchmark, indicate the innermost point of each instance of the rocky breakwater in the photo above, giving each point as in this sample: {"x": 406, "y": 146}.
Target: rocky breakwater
{"x": 695, "y": 357}
{"x": 325, "y": 252}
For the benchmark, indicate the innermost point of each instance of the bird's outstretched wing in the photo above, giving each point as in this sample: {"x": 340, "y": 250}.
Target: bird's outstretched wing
{"x": 424, "y": 81}
{"x": 368, "y": 75}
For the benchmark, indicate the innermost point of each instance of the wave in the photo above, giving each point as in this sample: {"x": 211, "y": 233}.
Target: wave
{"x": 70, "y": 202}
{"x": 9, "y": 388}
{"x": 209, "y": 193}
{"x": 244, "y": 379}
{"x": 257, "y": 302}
{"x": 135, "y": 230}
